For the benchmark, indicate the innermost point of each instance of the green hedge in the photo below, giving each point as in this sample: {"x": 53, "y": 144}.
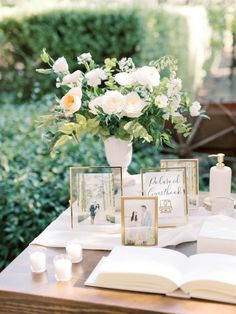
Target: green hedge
{"x": 34, "y": 188}
{"x": 167, "y": 34}
{"x": 143, "y": 35}
{"x": 68, "y": 33}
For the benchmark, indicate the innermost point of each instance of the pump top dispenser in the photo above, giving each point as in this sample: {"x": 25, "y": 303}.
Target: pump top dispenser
{"x": 220, "y": 178}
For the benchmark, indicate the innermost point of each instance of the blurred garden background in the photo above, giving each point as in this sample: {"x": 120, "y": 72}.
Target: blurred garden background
{"x": 201, "y": 35}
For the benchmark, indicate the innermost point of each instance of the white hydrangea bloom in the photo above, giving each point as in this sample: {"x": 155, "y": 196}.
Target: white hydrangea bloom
{"x": 174, "y": 87}
{"x": 195, "y": 109}
{"x": 175, "y": 101}
{"x": 126, "y": 64}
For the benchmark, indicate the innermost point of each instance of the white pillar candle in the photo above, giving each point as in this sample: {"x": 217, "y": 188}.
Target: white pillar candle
{"x": 37, "y": 261}
{"x": 74, "y": 251}
{"x": 62, "y": 265}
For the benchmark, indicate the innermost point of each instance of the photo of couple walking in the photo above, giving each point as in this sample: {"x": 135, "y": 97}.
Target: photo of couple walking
{"x": 96, "y": 198}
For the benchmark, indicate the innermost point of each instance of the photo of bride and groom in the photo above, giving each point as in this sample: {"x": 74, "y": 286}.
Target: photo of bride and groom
{"x": 140, "y": 222}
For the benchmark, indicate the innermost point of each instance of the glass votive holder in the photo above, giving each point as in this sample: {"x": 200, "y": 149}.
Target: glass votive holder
{"x": 63, "y": 267}
{"x": 37, "y": 256}
{"x": 74, "y": 251}
{"x": 222, "y": 206}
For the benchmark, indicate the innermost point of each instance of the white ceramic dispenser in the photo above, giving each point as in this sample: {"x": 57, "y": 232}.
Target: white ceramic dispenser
{"x": 220, "y": 178}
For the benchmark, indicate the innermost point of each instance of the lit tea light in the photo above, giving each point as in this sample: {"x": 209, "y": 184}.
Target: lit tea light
{"x": 74, "y": 251}
{"x": 37, "y": 259}
{"x": 62, "y": 266}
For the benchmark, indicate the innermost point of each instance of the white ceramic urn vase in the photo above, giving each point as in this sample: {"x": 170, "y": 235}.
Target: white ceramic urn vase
{"x": 119, "y": 154}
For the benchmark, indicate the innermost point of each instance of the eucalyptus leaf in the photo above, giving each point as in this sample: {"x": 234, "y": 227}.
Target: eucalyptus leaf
{"x": 68, "y": 128}
{"x": 62, "y": 140}
{"x": 44, "y": 71}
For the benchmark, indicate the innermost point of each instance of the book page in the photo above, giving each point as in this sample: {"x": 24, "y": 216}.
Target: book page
{"x": 210, "y": 272}
{"x": 142, "y": 269}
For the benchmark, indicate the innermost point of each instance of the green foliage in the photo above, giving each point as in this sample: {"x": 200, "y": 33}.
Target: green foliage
{"x": 111, "y": 33}
{"x": 217, "y": 21}
{"x": 69, "y": 33}
{"x": 34, "y": 188}
{"x": 136, "y": 130}
{"x": 167, "y": 34}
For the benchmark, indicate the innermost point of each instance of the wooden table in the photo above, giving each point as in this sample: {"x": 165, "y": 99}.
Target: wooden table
{"x": 24, "y": 292}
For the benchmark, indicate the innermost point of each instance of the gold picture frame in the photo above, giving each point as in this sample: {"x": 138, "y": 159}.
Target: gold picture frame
{"x": 142, "y": 231}
{"x": 192, "y": 177}
{"x": 95, "y": 170}
{"x": 165, "y": 207}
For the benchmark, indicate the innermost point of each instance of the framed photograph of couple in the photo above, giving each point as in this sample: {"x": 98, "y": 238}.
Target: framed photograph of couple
{"x": 192, "y": 177}
{"x": 169, "y": 184}
{"x": 139, "y": 220}
{"x": 95, "y": 195}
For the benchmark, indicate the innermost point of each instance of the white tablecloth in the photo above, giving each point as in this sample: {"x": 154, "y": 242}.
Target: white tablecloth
{"x": 107, "y": 237}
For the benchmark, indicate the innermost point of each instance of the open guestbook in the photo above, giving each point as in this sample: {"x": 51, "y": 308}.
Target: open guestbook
{"x": 165, "y": 271}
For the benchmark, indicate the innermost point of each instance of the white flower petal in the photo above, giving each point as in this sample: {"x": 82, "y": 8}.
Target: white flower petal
{"x": 60, "y": 65}
{"x": 95, "y": 77}
{"x": 195, "y": 109}
{"x": 71, "y": 101}
{"x": 72, "y": 78}
{"x": 124, "y": 79}
{"x": 134, "y": 105}
{"x": 95, "y": 103}
{"x": 174, "y": 87}
{"x": 161, "y": 101}
{"x": 113, "y": 102}
{"x": 147, "y": 76}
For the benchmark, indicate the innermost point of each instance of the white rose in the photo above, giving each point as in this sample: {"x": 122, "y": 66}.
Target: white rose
{"x": 124, "y": 79}
{"x": 71, "y": 102}
{"x": 95, "y": 77}
{"x": 133, "y": 106}
{"x": 94, "y": 103}
{"x": 161, "y": 101}
{"x": 60, "y": 65}
{"x": 147, "y": 76}
{"x": 72, "y": 78}
{"x": 195, "y": 109}
{"x": 174, "y": 87}
{"x": 113, "y": 102}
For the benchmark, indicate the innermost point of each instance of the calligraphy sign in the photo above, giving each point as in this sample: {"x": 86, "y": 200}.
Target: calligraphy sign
{"x": 169, "y": 184}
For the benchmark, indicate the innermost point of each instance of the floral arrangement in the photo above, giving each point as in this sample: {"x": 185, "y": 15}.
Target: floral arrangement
{"x": 117, "y": 99}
